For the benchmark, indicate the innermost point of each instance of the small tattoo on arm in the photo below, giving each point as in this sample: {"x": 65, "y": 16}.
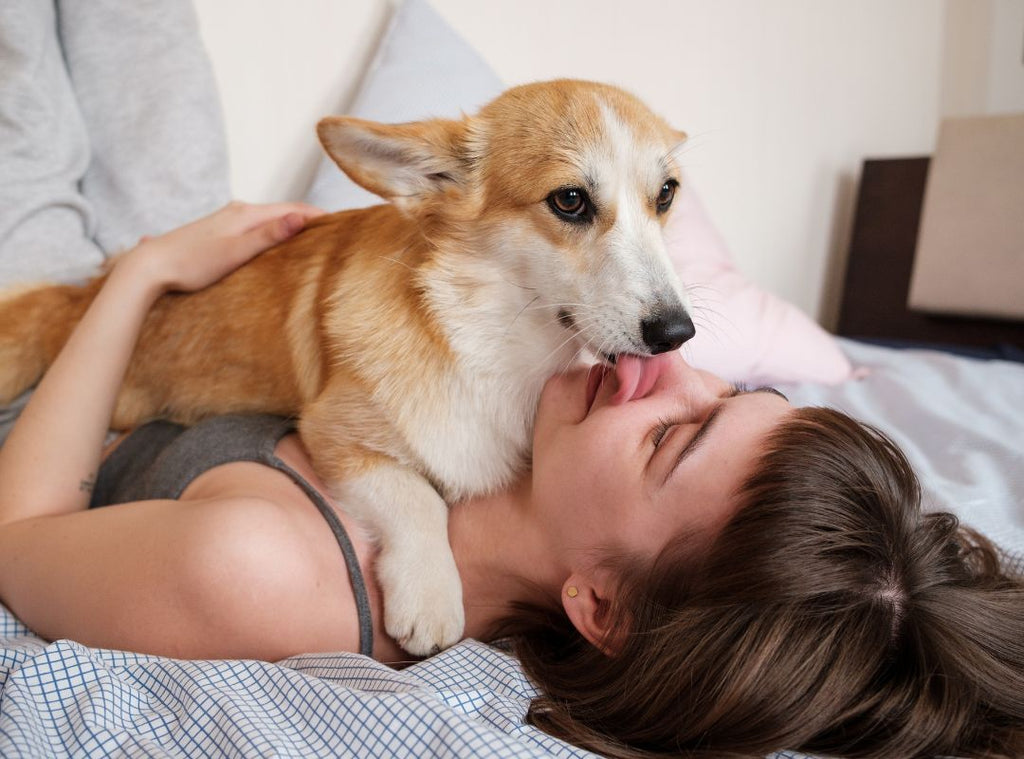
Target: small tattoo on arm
{"x": 88, "y": 483}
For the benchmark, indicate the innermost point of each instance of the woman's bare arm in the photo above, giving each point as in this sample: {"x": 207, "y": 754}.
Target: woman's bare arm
{"x": 50, "y": 459}
{"x": 188, "y": 579}
{"x": 220, "y": 578}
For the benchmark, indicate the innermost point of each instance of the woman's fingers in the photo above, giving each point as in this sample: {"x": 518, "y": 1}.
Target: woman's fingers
{"x": 266, "y": 234}
{"x": 250, "y": 215}
{"x": 198, "y": 254}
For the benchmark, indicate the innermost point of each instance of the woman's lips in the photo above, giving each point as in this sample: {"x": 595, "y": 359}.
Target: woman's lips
{"x": 594, "y": 380}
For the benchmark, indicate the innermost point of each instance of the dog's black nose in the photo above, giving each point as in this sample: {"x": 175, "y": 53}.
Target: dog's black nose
{"x": 668, "y": 330}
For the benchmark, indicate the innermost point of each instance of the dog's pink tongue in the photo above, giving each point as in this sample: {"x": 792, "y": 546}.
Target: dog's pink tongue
{"x": 636, "y": 375}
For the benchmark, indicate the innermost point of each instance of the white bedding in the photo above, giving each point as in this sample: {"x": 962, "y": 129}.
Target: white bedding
{"x": 960, "y": 420}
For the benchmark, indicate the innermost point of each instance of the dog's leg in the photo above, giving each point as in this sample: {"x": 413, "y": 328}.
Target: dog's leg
{"x": 353, "y": 447}
{"x": 416, "y": 569}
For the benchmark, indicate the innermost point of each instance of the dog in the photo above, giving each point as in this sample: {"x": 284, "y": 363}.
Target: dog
{"x": 413, "y": 338}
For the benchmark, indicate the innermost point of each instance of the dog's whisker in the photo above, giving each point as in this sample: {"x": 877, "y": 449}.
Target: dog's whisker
{"x": 724, "y": 330}
{"x": 573, "y": 359}
{"x": 564, "y": 305}
{"x": 579, "y": 324}
{"x": 508, "y": 281}
{"x": 700, "y": 294}
{"x": 575, "y": 356}
{"x": 718, "y": 327}
{"x": 581, "y": 332}
{"x": 583, "y": 326}
{"x": 587, "y": 320}
{"x": 708, "y": 317}
{"x": 551, "y": 354}
{"x": 599, "y": 350}
{"x": 518, "y": 314}
{"x": 586, "y": 344}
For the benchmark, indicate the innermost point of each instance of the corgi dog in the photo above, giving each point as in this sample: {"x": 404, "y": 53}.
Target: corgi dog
{"x": 413, "y": 338}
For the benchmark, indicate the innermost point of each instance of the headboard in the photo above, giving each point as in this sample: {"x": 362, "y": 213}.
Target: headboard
{"x": 881, "y": 257}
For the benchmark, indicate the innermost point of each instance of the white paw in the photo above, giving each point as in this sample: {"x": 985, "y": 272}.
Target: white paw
{"x": 422, "y": 599}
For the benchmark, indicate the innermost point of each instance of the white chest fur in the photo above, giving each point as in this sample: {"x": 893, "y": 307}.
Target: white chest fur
{"x": 473, "y": 430}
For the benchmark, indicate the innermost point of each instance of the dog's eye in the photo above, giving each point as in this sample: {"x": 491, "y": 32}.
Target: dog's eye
{"x": 570, "y": 203}
{"x": 668, "y": 192}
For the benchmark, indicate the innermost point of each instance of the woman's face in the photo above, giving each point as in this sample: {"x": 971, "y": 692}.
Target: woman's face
{"x": 625, "y": 460}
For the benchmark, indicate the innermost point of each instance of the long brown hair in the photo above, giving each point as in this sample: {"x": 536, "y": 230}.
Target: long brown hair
{"x": 830, "y": 616}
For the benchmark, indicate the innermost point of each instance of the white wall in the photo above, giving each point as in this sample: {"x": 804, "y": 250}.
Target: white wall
{"x": 983, "y": 69}
{"x": 1005, "y": 91}
{"x": 782, "y": 99}
{"x": 280, "y": 66}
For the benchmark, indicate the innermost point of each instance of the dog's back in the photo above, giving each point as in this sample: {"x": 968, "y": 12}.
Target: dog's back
{"x": 255, "y": 341}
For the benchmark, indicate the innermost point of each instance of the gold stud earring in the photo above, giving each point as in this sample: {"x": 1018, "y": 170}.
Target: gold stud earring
{"x": 572, "y": 591}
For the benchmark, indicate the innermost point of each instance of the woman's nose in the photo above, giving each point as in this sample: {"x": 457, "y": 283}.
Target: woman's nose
{"x": 675, "y": 371}
{"x": 677, "y": 377}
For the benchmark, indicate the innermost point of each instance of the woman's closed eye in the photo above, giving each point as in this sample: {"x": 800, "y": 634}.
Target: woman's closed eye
{"x": 662, "y": 429}
{"x": 665, "y": 426}
{"x": 664, "y": 432}
{"x": 665, "y": 429}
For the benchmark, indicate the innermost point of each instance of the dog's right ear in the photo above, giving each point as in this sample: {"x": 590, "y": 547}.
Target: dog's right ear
{"x": 403, "y": 163}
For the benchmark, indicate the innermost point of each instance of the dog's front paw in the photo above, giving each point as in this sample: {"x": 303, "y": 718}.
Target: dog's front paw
{"x": 422, "y": 601}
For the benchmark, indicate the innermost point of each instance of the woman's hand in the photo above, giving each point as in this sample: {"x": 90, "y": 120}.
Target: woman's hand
{"x": 53, "y": 453}
{"x": 197, "y": 255}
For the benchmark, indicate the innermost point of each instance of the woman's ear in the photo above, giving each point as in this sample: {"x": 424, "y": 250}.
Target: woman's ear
{"x": 587, "y": 601}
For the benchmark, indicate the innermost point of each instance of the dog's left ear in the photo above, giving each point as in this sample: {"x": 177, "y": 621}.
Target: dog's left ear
{"x": 403, "y": 163}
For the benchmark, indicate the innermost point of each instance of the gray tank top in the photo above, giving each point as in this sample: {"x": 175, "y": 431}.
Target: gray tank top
{"x": 160, "y": 459}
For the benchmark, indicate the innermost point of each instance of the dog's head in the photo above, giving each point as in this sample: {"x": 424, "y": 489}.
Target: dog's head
{"x": 568, "y": 184}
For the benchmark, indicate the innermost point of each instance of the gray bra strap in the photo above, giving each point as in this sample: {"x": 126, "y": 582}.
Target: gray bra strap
{"x": 355, "y": 573}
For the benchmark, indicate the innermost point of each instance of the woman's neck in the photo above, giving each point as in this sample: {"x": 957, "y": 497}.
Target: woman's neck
{"x": 502, "y": 556}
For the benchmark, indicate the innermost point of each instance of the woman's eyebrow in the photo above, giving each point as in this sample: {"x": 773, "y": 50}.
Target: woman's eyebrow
{"x": 702, "y": 432}
{"x": 769, "y": 389}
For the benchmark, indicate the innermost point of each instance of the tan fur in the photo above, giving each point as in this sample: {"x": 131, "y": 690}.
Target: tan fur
{"x": 392, "y": 331}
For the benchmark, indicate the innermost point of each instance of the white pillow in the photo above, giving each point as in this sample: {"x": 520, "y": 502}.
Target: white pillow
{"x": 423, "y": 69}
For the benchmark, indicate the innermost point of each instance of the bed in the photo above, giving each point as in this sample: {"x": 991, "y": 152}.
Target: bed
{"x": 960, "y": 420}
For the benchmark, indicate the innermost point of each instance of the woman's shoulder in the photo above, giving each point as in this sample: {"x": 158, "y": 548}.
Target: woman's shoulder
{"x": 239, "y": 536}
{"x": 252, "y": 571}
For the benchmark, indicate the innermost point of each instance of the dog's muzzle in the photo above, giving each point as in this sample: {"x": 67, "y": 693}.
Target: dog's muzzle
{"x": 668, "y": 330}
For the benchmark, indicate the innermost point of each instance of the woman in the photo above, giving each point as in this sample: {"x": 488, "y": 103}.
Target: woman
{"x": 687, "y": 567}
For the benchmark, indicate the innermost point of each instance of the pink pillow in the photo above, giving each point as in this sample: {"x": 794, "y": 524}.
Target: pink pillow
{"x": 744, "y": 333}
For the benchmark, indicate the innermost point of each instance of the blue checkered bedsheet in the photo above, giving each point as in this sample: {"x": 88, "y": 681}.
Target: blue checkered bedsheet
{"x": 65, "y": 699}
